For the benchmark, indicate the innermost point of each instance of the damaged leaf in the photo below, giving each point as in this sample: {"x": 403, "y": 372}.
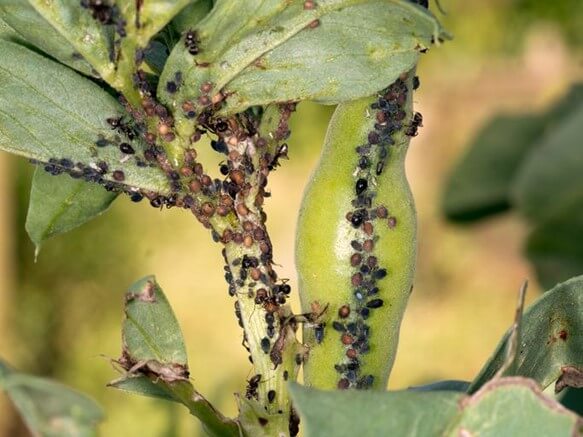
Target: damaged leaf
{"x": 50, "y": 409}
{"x": 551, "y": 337}
{"x": 152, "y": 338}
{"x": 570, "y": 377}
{"x": 154, "y": 357}
{"x": 53, "y": 115}
{"x": 59, "y": 203}
{"x": 259, "y": 52}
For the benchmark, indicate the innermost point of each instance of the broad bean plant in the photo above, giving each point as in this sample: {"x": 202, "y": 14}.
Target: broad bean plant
{"x": 112, "y": 98}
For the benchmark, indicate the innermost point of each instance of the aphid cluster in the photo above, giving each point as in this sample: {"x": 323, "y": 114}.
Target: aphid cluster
{"x": 350, "y": 323}
{"x": 101, "y": 10}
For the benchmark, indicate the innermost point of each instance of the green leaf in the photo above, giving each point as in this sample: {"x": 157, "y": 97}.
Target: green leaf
{"x": 371, "y": 413}
{"x": 50, "y": 409}
{"x": 92, "y": 40}
{"x": 450, "y": 385}
{"x": 551, "y": 338}
{"x": 6, "y": 31}
{"x": 552, "y": 176}
{"x": 191, "y": 15}
{"x": 554, "y": 246}
{"x": 154, "y": 356}
{"x": 60, "y": 203}
{"x": 150, "y": 18}
{"x": 144, "y": 386}
{"x": 513, "y": 407}
{"x": 480, "y": 183}
{"x": 150, "y": 329}
{"x": 504, "y": 407}
{"x": 33, "y": 28}
{"x": 258, "y": 52}
{"x": 48, "y": 112}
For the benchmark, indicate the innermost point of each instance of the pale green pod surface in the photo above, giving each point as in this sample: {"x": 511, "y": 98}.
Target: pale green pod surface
{"x": 356, "y": 242}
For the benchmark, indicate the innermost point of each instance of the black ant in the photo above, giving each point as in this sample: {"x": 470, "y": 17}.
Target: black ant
{"x": 281, "y": 153}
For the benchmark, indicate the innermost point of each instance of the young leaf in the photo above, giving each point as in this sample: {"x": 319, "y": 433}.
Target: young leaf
{"x": 60, "y": 203}
{"x": 150, "y": 330}
{"x": 50, "y": 114}
{"x": 48, "y": 408}
{"x": 551, "y": 338}
{"x": 371, "y": 413}
{"x": 552, "y": 176}
{"x": 259, "y": 52}
{"x": 76, "y": 24}
{"x": 34, "y": 29}
{"x": 154, "y": 356}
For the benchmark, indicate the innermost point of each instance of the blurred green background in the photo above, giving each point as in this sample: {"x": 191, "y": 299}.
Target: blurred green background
{"x": 60, "y": 317}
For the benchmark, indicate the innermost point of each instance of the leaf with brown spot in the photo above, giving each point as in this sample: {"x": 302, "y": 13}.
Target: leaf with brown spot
{"x": 551, "y": 338}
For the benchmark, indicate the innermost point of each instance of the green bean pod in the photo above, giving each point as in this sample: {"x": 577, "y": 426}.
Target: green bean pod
{"x": 356, "y": 242}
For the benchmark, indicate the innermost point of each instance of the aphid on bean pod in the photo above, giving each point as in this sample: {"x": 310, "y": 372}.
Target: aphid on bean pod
{"x": 351, "y": 275}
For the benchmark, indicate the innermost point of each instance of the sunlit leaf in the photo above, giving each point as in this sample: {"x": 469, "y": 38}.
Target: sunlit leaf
{"x": 60, "y": 203}
{"x": 91, "y": 39}
{"x": 150, "y": 329}
{"x": 34, "y": 29}
{"x": 258, "y": 52}
{"x": 513, "y": 407}
{"x": 504, "y": 407}
{"x": 154, "y": 356}
{"x": 373, "y": 414}
{"x": 551, "y": 338}
{"x": 49, "y": 113}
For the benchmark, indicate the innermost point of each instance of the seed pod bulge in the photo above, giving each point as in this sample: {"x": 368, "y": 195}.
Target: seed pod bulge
{"x": 359, "y": 291}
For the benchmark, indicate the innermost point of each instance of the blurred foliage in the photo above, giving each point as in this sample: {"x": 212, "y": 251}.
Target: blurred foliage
{"x": 50, "y": 409}
{"x": 531, "y": 162}
{"x": 567, "y": 15}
